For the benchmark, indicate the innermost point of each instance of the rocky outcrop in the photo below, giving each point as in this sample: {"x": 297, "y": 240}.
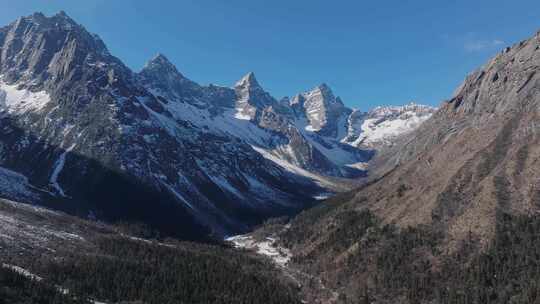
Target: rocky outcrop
{"x": 322, "y": 110}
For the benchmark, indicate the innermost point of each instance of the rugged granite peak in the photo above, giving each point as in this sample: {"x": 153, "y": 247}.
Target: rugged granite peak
{"x": 251, "y": 98}
{"x": 160, "y": 60}
{"x": 162, "y": 78}
{"x": 248, "y": 81}
{"x": 51, "y": 52}
{"x": 322, "y": 110}
{"x": 160, "y": 64}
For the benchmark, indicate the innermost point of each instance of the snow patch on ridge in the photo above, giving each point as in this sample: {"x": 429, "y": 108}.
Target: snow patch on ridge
{"x": 19, "y": 101}
{"x": 376, "y": 131}
{"x": 240, "y": 114}
{"x": 382, "y": 125}
{"x": 230, "y": 122}
{"x": 319, "y": 180}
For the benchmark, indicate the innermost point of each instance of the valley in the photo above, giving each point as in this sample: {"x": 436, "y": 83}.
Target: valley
{"x": 123, "y": 186}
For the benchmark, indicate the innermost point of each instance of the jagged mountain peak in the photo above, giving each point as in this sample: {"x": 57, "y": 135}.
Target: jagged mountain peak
{"x": 321, "y": 108}
{"x": 251, "y": 98}
{"x": 162, "y": 77}
{"x": 324, "y": 87}
{"x": 159, "y": 60}
{"x": 58, "y": 20}
{"x": 36, "y": 47}
{"x": 248, "y": 81}
{"x": 36, "y": 15}
{"x": 61, "y": 21}
{"x": 62, "y": 14}
{"x": 323, "y": 94}
{"x": 160, "y": 64}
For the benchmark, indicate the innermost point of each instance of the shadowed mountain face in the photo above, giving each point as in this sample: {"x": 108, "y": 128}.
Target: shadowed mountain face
{"x": 90, "y": 135}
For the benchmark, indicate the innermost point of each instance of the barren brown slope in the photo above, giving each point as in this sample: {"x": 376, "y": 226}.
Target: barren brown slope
{"x": 480, "y": 151}
{"x": 458, "y": 178}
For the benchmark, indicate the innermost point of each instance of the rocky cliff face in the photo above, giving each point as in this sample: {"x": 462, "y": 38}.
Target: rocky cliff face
{"x": 322, "y": 110}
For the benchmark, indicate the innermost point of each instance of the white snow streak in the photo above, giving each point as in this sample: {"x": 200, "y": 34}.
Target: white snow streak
{"x": 177, "y": 194}
{"x": 22, "y": 272}
{"x": 58, "y": 166}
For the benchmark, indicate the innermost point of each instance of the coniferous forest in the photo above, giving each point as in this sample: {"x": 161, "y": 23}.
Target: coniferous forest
{"x": 18, "y": 289}
{"x": 126, "y": 270}
{"x": 384, "y": 264}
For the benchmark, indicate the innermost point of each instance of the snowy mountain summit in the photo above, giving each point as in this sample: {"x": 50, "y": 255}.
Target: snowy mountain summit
{"x": 79, "y": 127}
{"x": 381, "y": 126}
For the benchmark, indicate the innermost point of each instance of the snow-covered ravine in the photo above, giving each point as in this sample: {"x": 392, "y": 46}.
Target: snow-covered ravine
{"x": 58, "y": 167}
{"x": 268, "y": 247}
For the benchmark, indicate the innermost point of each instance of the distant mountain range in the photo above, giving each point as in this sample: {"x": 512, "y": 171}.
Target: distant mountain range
{"x": 83, "y": 133}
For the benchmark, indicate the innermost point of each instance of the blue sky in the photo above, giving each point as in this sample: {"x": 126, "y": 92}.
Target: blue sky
{"x": 370, "y": 52}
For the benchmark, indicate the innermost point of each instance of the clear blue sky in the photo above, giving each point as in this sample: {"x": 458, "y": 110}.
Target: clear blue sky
{"x": 369, "y": 52}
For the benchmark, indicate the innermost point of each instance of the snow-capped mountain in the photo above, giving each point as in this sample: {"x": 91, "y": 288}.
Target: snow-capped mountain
{"x": 158, "y": 148}
{"x": 381, "y": 126}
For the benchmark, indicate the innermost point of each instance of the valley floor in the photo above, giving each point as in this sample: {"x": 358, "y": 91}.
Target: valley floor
{"x": 69, "y": 260}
